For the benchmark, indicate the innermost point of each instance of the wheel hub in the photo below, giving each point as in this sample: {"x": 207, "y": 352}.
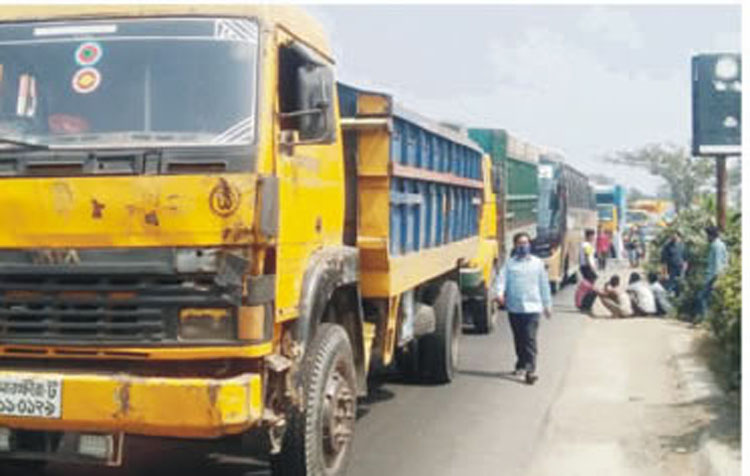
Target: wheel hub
{"x": 338, "y": 417}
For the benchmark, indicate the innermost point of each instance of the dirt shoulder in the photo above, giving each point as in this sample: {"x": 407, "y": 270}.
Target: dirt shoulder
{"x": 636, "y": 402}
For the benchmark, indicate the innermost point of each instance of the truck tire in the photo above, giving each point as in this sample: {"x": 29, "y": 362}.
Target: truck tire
{"x": 407, "y": 360}
{"x": 439, "y": 350}
{"x": 318, "y": 442}
{"x": 482, "y": 312}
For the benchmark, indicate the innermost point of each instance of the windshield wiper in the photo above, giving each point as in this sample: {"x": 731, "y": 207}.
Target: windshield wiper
{"x": 23, "y": 144}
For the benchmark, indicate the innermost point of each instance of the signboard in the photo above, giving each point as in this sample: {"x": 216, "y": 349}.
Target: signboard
{"x": 717, "y": 97}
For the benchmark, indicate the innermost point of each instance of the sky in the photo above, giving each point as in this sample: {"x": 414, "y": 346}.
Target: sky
{"x": 589, "y": 80}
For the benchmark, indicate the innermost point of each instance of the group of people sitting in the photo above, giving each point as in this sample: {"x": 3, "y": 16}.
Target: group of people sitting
{"x": 638, "y": 298}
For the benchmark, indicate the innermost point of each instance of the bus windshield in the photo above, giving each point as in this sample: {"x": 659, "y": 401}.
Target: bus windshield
{"x": 548, "y": 201}
{"x": 129, "y": 82}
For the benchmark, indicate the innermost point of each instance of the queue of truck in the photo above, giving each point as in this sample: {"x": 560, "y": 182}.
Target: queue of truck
{"x": 240, "y": 262}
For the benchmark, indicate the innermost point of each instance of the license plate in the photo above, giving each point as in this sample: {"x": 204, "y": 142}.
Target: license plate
{"x": 29, "y": 395}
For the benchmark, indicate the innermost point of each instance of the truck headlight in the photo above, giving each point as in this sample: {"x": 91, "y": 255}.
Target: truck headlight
{"x": 206, "y": 324}
{"x": 96, "y": 446}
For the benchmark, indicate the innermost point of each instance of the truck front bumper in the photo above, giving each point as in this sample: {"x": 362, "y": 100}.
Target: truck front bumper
{"x": 156, "y": 406}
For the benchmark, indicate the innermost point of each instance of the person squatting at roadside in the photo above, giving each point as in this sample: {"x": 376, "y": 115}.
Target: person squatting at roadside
{"x": 663, "y": 306}
{"x": 523, "y": 288}
{"x": 615, "y": 299}
{"x": 586, "y": 294}
{"x": 641, "y": 296}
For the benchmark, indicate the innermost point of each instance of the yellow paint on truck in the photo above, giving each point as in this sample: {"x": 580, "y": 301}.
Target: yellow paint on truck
{"x": 268, "y": 233}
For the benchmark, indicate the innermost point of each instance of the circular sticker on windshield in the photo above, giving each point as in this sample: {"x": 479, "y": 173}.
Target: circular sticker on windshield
{"x": 86, "y": 80}
{"x": 88, "y": 54}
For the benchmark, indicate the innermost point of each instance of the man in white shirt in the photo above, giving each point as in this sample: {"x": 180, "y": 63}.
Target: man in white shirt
{"x": 523, "y": 288}
{"x": 641, "y": 295}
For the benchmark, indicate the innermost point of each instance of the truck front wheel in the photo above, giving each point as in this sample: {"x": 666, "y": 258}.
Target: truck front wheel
{"x": 318, "y": 442}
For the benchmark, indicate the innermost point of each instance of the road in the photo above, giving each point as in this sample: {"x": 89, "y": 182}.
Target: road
{"x": 485, "y": 422}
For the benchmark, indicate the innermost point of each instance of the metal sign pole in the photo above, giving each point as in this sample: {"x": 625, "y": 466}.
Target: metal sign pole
{"x": 721, "y": 192}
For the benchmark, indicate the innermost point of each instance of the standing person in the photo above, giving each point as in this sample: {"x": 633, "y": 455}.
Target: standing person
{"x": 631, "y": 244}
{"x": 673, "y": 262}
{"x": 641, "y": 296}
{"x": 717, "y": 262}
{"x": 586, "y": 255}
{"x": 602, "y": 249}
{"x": 642, "y": 242}
{"x": 523, "y": 287}
{"x": 615, "y": 299}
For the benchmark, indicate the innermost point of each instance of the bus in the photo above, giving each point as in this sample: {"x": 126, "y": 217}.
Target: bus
{"x": 566, "y": 209}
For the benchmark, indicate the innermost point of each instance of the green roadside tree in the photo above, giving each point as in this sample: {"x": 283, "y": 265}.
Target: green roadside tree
{"x": 683, "y": 174}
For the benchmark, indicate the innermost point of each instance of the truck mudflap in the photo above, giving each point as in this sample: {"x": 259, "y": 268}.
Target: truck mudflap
{"x": 155, "y": 406}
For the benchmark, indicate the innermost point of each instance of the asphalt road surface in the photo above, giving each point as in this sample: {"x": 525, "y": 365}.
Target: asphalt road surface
{"x": 485, "y": 422}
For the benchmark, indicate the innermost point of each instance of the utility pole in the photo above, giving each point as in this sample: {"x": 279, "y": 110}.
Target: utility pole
{"x": 721, "y": 192}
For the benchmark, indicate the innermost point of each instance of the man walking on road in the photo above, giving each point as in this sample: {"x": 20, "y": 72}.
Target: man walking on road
{"x": 673, "y": 262}
{"x": 717, "y": 262}
{"x": 523, "y": 287}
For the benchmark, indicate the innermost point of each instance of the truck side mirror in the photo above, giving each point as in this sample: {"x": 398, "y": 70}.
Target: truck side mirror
{"x": 306, "y": 97}
{"x": 317, "y": 121}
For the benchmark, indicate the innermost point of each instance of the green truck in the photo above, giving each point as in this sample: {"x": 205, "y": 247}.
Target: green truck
{"x": 515, "y": 165}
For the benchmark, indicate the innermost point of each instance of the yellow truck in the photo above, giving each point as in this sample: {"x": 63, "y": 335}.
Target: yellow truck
{"x": 206, "y": 237}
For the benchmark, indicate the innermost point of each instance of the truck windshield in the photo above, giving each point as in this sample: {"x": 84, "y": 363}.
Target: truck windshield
{"x": 129, "y": 82}
{"x": 605, "y": 212}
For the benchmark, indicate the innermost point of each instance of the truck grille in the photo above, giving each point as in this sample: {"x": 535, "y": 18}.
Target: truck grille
{"x": 86, "y": 310}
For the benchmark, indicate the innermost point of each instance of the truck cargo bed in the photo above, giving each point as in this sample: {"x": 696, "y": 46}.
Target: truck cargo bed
{"x": 418, "y": 192}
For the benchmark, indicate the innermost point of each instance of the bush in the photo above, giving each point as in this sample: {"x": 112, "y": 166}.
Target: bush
{"x": 725, "y": 319}
{"x": 691, "y": 224}
{"x": 725, "y": 315}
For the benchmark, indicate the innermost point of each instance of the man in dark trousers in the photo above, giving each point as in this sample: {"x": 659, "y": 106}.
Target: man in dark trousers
{"x": 673, "y": 262}
{"x": 523, "y": 288}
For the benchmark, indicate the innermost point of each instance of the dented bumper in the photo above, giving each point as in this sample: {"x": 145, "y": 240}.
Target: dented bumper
{"x": 172, "y": 407}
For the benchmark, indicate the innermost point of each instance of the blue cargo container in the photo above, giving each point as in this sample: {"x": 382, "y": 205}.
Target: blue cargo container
{"x": 435, "y": 177}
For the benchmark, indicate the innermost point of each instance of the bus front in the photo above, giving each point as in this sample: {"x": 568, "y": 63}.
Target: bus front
{"x": 129, "y": 192}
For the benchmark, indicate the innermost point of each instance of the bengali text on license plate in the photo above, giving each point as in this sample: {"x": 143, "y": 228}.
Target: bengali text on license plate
{"x": 24, "y": 395}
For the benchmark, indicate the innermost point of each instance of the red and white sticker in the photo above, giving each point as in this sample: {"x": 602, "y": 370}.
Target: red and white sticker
{"x": 88, "y": 54}
{"x": 86, "y": 80}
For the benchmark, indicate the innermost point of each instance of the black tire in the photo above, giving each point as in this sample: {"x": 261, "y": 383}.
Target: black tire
{"x": 439, "y": 350}
{"x": 407, "y": 360}
{"x": 310, "y": 447}
{"x": 482, "y": 312}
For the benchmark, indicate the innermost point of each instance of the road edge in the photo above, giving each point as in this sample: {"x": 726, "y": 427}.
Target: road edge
{"x": 714, "y": 457}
